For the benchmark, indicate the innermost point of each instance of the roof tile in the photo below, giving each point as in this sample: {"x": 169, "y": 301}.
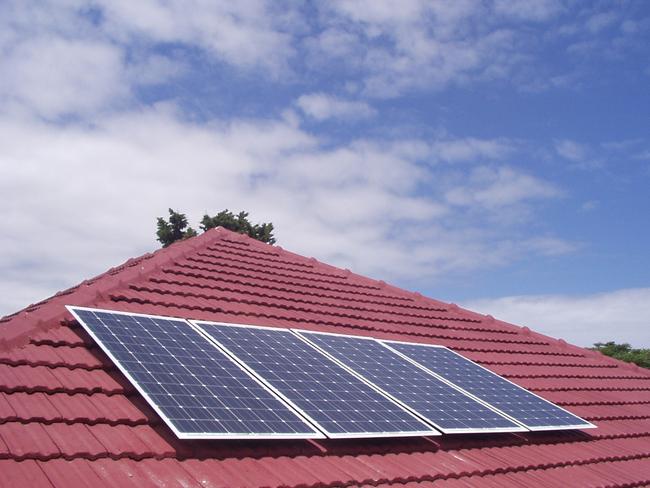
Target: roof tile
{"x": 121, "y": 409}
{"x": 59, "y": 336}
{"x": 76, "y": 440}
{"x": 127, "y": 472}
{"x": 165, "y": 473}
{"x": 7, "y": 413}
{"x": 64, "y": 404}
{"x": 119, "y": 440}
{"x": 161, "y": 442}
{"x": 75, "y": 380}
{"x": 81, "y": 357}
{"x": 76, "y": 407}
{"x": 30, "y": 354}
{"x": 28, "y": 441}
{"x": 33, "y": 407}
{"x": 244, "y": 472}
{"x": 27, "y": 378}
{"x": 24, "y": 473}
{"x": 71, "y": 474}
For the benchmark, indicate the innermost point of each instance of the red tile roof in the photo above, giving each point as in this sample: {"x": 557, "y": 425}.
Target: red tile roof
{"x": 68, "y": 418}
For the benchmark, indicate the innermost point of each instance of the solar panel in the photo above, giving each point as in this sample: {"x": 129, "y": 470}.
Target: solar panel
{"x": 335, "y": 400}
{"x": 196, "y": 389}
{"x": 527, "y": 408}
{"x": 449, "y": 409}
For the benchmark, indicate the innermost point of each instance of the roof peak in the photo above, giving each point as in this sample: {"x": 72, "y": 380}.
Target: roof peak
{"x": 274, "y": 267}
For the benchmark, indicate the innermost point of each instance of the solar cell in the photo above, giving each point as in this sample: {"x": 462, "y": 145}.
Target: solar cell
{"x": 527, "y": 408}
{"x": 335, "y": 400}
{"x": 444, "y": 406}
{"x": 197, "y": 390}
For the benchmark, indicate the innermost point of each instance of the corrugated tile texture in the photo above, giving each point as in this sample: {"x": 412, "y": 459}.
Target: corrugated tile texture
{"x": 68, "y": 418}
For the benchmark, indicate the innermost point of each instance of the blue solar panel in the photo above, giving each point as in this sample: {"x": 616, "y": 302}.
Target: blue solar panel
{"x": 520, "y": 404}
{"x": 449, "y": 409}
{"x": 198, "y": 390}
{"x": 337, "y": 402}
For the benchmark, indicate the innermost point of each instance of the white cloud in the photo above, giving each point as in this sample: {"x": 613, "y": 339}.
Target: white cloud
{"x": 343, "y": 204}
{"x": 381, "y": 205}
{"x": 322, "y": 106}
{"x": 154, "y": 69}
{"x": 600, "y": 156}
{"x": 76, "y": 58}
{"x": 248, "y": 33}
{"x": 431, "y": 45}
{"x": 550, "y": 246}
{"x": 375, "y": 49}
{"x": 579, "y": 155}
{"x": 600, "y": 21}
{"x": 336, "y": 43}
{"x": 57, "y": 77}
{"x": 535, "y": 10}
{"x": 590, "y": 205}
{"x": 494, "y": 188}
{"x": 620, "y": 316}
{"x": 571, "y": 150}
{"x": 471, "y": 149}
{"x": 643, "y": 155}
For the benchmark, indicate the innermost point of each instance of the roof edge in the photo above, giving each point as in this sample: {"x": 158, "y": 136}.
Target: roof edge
{"x": 16, "y": 328}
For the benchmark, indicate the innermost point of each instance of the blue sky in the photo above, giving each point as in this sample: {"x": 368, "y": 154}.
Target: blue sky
{"x": 495, "y": 154}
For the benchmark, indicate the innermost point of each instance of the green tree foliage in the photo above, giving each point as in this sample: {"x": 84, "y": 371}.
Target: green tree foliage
{"x": 624, "y": 352}
{"x": 173, "y": 230}
{"x": 176, "y": 228}
{"x": 239, "y": 223}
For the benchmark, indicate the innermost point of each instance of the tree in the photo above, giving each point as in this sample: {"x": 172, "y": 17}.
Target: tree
{"x": 173, "y": 230}
{"x": 239, "y": 223}
{"x": 624, "y": 352}
{"x": 177, "y": 227}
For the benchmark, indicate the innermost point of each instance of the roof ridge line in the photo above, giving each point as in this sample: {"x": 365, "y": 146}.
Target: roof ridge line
{"x": 418, "y": 297}
{"x": 414, "y": 296}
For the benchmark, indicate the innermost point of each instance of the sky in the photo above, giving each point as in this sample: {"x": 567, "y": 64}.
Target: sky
{"x": 489, "y": 153}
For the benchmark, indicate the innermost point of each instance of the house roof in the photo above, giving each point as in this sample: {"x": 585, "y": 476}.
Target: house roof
{"x": 69, "y": 418}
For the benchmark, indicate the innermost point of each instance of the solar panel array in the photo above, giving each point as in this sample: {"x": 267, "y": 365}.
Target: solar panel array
{"x": 214, "y": 380}
{"x": 194, "y": 387}
{"x": 533, "y": 412}
{"x": 449, "y": 409}
{"x": 337, "y": 401}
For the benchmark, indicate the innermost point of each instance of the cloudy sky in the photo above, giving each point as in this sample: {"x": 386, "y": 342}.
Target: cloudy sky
{"x": 492, "y": 153}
